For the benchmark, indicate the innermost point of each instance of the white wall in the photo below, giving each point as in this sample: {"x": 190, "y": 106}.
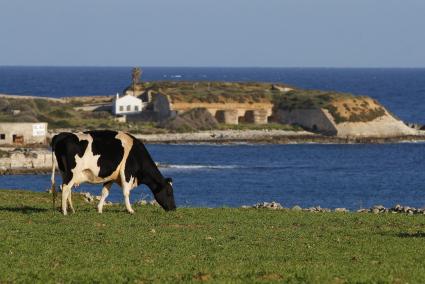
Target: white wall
{"x": 32, "y": 132}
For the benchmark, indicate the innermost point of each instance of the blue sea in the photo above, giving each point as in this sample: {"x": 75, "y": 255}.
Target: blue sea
{"x": 352, "y": 176}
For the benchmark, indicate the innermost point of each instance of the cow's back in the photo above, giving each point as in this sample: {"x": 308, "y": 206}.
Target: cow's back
{"x": 109, "y": 146}
{"x": 91, "y": 156}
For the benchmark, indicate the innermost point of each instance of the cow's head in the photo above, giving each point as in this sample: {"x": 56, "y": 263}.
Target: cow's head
{"x": 165, "y": 195}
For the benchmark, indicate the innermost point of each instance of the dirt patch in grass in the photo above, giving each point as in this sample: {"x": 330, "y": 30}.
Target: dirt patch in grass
{"x": 355, "y": 109}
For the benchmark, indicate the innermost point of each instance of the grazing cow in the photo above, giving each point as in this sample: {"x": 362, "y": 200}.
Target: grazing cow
{"x": 106, "y": 157}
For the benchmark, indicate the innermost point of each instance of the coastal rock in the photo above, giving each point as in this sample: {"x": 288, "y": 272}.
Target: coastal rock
{"x": 283, "y": 89}
{"x": 363, "y": 210}
{"x": 88, "y": 197}
{"x": 397, "y": 208}
{"x": 268, "y": 205}
{"x": 317, "y": 209}
{"x": 416, "y": 126}
{"x": 22, "y": 160}
{"x": 342, "y": 210}
{"x": 375, "y": 211}
{"x": 144, "y": 202}
{"x": 194, "y": 119}
{"x": 296, "y": 208}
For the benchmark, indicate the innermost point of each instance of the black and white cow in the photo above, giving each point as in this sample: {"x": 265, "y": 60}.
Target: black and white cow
{"x": 106, "y": 157}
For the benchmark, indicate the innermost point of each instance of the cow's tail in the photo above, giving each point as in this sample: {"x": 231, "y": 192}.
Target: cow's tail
{"x": 53, "y": 188}
{"x": 55, "y": 140}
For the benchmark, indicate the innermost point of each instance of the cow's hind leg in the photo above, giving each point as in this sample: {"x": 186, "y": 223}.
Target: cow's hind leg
{"x": 71, "y": 206}
{"x": 66, "y": 191}
{"x": 126, "y": 191}
{"x": 105, "y": 193}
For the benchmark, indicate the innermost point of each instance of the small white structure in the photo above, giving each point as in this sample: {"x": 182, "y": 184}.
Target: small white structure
{"x": 127, "y": 104}
{"x": 13, "y": 133}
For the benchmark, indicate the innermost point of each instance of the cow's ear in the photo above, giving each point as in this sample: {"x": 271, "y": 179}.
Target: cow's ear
{"x": 169, "y": 180}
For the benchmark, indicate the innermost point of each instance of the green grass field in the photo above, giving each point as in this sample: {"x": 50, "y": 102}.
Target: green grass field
{"x": 193, "y": 244}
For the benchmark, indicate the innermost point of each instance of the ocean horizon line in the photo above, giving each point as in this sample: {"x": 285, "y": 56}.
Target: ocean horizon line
{"x": 214, "y": 67}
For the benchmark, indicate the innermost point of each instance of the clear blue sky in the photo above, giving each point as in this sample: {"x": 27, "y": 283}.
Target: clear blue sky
{"x": 277, "y": 33}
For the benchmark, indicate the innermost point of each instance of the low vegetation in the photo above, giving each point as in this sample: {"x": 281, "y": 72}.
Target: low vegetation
{"x": 4, "y": 153}
{"x": 199, "y": 244}
{"x": 343, "y": 107}
{"x": 214, "y": 92}
{"x": 63, "y": 115}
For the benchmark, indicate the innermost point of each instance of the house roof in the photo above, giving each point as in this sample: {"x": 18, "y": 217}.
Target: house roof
{"x": 128, "y": 98}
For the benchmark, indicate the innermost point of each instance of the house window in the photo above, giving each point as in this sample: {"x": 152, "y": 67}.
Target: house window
{"x": 121, "y": 108}
{"x": 136, "y": 108}
{"x": 129, "y": 108}
{"x": 2, "y": 136}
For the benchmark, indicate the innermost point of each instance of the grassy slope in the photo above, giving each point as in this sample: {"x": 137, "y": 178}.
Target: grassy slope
{"x": 60, "y": 115}
{"x": 238, "y": 245}
{"x": 214, "y": 92}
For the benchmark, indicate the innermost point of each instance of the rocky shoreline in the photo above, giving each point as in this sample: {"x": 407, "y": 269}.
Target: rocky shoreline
{"x": 33, "y": 160}
{"x": 16, "y": 161}
{"x": 270, "y": 137}
{"x": 376, "y": 209}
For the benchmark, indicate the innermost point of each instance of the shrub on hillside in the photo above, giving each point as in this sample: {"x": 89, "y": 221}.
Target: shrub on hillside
{"x": 60, "y": 124}
{"x": 192, "y": 120}
{"x": 97, "y": 114}
{"x": 60, "y": 113}
{"x": 42, "y": 105}
{"x": 4, "y": 104}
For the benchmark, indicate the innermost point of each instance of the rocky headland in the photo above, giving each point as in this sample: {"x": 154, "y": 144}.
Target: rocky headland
{"x": 175, "y": 108}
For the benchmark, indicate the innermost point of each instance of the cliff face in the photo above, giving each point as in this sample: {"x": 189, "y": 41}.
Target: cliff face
{"x": 382, "y": 126}
{"x": 374, "y": 122}
{"x": 364, "y": 117}
{"x": 316, "y": 120}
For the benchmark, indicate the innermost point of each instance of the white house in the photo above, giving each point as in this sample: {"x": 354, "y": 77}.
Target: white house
{"x": 127, "y": 104}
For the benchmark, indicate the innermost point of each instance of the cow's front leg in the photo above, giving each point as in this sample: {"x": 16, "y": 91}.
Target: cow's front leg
{"x": 66, "y": 190}
{"x": 126, "y": 192}
{"x": 105, "y": 193}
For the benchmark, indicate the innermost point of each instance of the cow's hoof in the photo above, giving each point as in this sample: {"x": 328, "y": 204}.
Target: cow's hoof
{"x": 131, "y": 211}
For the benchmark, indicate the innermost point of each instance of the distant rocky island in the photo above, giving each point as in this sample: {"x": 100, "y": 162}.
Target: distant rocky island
{"x": 174, "y": 107}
